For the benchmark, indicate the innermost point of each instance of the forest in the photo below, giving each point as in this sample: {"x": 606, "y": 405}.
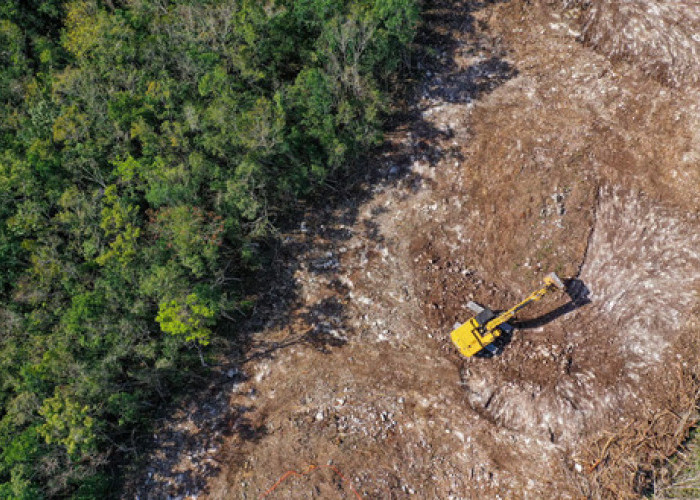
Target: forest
{"x": 148, "y": 150}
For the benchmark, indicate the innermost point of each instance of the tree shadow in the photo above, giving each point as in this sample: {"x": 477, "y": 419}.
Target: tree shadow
{"x": 480, "y": 78}
{"x": 328, "y": 319}
{"x": 310, "y": 240}
{"x": 186, "y": 452}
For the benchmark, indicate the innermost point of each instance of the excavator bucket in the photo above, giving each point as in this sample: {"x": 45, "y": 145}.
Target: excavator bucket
{"x": 553, "y": 279}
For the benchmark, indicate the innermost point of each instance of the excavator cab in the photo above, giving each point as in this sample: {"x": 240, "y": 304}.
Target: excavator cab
{"x": 486, "y": 326}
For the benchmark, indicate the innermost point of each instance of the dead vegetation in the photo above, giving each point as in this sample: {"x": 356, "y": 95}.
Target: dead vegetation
{"x": 660, "y": 36}
{"x": 682, "y": 478}
{"x": 641, "y": 456}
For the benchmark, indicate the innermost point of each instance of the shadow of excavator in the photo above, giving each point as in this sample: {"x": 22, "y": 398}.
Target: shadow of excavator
{"x": 579, "y": 296}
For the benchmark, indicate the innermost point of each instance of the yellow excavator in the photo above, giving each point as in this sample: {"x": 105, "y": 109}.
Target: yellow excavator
{"x": 482, "y": 330}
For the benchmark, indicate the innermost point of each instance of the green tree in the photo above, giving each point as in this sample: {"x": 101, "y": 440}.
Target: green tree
{"x": 146, "y": 149}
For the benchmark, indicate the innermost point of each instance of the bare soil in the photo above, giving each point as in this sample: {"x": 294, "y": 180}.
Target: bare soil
{"x": 525, "y": 152}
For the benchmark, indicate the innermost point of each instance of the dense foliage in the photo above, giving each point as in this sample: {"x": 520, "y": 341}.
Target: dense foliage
{"x": 145, "y": 146}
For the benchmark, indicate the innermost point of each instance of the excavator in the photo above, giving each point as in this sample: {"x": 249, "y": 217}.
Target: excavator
{"x": 479, "y": 333}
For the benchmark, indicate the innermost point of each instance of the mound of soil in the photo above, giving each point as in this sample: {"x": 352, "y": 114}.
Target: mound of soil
{"x": 524, "y": 152}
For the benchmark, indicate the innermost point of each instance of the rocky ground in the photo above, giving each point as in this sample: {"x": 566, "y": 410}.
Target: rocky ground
{"x": 525, "y": 152}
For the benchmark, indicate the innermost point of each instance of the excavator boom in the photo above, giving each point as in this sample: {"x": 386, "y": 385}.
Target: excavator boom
{"x": 480, "y": 331}
{"x": 551, "y": 281}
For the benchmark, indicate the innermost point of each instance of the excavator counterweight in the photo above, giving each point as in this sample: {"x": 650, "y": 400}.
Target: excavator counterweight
{"x": 483, "y": 329}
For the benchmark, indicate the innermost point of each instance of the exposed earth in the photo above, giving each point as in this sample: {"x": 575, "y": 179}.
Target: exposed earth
{"x": 525, "y": 152}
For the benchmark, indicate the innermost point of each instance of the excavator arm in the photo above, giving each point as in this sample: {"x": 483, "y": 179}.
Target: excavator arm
{"x": 551, "y": 281}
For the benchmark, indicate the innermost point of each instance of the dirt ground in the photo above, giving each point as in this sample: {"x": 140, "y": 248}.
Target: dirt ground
{"x": 525, "y": 152}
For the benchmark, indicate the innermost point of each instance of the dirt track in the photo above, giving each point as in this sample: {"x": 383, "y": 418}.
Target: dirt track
{"x": 526, "y": 152}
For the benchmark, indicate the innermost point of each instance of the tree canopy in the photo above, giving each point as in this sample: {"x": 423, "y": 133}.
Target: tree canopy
{"x": 143, "y": 146}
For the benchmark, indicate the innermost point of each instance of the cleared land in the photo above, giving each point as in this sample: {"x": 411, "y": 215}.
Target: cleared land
{"x": 525, "y": 151}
